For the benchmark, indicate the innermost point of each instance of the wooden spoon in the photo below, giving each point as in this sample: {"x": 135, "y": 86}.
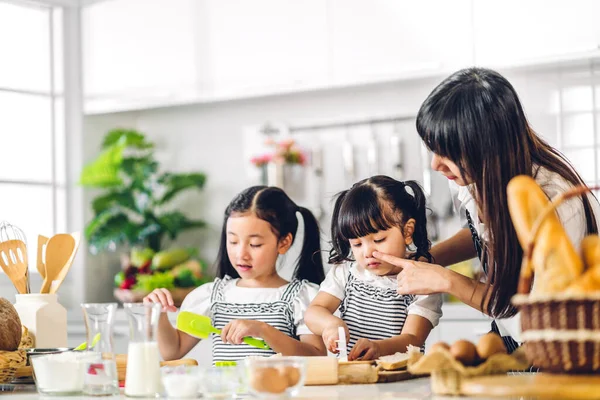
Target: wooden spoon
{"x": 13, "y": 259}
{"x": 65, "y": 269}
{"x": 59, "y": 250}
{"x": 41, "y": 263}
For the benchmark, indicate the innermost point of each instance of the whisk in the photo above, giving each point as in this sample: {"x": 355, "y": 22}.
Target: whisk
{"x": 8, "y": 232}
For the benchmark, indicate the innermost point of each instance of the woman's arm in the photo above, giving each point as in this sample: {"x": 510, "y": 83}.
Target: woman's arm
{"x": 454, "y": 249}
{"x": 423, "y": 278}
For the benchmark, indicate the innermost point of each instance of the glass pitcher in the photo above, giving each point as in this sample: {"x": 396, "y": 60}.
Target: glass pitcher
{"x": 100, "y": 377}
{"x": 143, "y": 378}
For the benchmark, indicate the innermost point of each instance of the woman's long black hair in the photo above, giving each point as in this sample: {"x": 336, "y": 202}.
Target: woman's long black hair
{"x": 475, "y": 119}
{"x": 378, "y": 204}
{"x": 273, "y": 205}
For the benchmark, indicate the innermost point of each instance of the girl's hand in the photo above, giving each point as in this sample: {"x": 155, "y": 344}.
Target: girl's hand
{"x": 235, "y": 331}
{"x": 365, "y": 349}
{"x": 331, "y": 334}
{"x": 417, "y": 277}
{"x": 162, "y": 297}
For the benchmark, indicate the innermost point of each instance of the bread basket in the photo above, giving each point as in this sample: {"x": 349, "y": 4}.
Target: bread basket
{"x": 560, "y": 331}
{"x": 11, "y": 361}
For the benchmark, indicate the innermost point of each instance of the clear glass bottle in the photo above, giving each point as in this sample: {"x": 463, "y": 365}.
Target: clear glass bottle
{"x": 143, "y": 377}
{"x": 101, "y": 377}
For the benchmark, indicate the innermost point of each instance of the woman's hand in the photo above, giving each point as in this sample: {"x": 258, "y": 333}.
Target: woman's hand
{"x": 331, "y": 335}
{"x": 162, "y": 297}
{"x": 417, "y": 277}
{"x": 235, "y": 331}
{"x": 365, "y": 349}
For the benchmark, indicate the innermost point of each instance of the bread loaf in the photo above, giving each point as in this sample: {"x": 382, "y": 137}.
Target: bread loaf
{"x": 10, "y": 326}
{"x": 554, "y": 259}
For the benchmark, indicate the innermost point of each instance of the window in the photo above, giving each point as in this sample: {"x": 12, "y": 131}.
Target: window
{"x": 32, "y": 122}
{"x": 579, "y": 120}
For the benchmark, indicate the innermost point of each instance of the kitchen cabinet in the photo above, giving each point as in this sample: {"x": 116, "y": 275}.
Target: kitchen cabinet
{"x": 138, "y": 48}
{"x": 263, "y": 45}
{"x": 513, "y": 32}
{"x": 388, "y": 38}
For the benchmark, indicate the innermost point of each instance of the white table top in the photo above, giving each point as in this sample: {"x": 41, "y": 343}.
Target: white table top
{"x": 411, "y": 389}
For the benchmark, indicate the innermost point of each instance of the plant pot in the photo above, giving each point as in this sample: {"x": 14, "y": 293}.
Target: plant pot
{"x": 136, "y": 296}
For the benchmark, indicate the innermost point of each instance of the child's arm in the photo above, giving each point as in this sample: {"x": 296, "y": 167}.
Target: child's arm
{"x": 172, "y": 343}
{"x": 308, "y": 345}
{"x": 320, "y": 319}
{"x": 415, "y": 332}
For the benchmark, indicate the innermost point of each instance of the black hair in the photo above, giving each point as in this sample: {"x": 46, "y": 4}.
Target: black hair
{"x": 475, "y": 119}
{"x": 274, "y": 206}
{"x": 378, "y": 204}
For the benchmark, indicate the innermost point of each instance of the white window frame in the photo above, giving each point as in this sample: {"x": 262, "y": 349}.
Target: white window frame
{"x": 72, "y": 290}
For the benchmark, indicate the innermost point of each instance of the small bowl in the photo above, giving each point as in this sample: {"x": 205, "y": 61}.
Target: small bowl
{"x": 41, "y": 351}
{"x": 60, "y": 373}
{"x": 275, "y": 377}
{"x": 221, "y": 382}
{"x": 182, "y": 381}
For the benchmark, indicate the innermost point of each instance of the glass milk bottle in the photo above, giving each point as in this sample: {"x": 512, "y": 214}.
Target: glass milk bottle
{"x": 143, "y": 360}
{"x": 101, "y": 377}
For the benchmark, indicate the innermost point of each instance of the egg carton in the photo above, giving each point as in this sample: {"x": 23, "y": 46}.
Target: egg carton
{"x": 447, "y": 373}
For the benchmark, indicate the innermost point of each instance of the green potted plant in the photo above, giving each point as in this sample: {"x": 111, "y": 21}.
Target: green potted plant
{"x": 132, "y": 211}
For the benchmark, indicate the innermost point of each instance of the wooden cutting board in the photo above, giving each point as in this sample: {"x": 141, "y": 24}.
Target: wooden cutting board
{"x": 547, "y": 386}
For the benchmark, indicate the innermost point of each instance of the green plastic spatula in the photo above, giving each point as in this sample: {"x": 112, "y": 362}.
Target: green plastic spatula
{"x": 201, "y": 326}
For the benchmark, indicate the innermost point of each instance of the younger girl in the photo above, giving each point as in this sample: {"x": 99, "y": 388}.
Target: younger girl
{"x": 249, "y": 298}
{"x": 376, "y": 214}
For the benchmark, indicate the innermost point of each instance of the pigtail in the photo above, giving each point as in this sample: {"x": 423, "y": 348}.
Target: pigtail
{"x": 340, "y": 247}
{"x": 310, "y": 264}
{"x": 420, "y": 238}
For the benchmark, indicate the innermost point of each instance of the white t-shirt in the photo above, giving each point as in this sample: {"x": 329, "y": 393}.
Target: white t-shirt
{"x": 571, "y": 214}
{"x": 429, "y": 306}
{"x": 198, "y": 301}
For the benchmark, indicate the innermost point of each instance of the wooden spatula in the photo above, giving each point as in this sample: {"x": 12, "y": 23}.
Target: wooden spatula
{"x": 13, "y": 259}
{"x": 65, "y": 269}
{"x": 59, "y": 250}
{"x": 41, "y": 262}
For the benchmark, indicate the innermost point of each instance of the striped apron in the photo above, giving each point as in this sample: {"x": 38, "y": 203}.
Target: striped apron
{"x": 372, "y": 312}
{"x": 279, "y": 314}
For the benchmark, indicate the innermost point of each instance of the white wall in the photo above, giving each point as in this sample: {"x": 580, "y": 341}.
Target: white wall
{"x": 208, "y": 138}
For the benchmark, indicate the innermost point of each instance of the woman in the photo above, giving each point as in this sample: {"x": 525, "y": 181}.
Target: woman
{"x": 474, "y": 124}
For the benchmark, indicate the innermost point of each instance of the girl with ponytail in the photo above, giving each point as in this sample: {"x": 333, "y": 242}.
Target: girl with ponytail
{"x": 249, "y": 297}
{"x": 379, "y": 214}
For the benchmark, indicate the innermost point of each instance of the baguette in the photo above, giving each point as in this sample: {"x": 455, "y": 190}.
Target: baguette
{"x": 554, "y": 260}
{"x": 590, "y": 280}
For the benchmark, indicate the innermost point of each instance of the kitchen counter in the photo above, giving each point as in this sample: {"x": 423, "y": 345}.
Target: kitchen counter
{"x": 412, "y": 389}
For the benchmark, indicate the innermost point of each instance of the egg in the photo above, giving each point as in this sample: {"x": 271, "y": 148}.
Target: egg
{"x": 464, "y": 351}
{"x": 440, "y": 346}
{"x": 291, "y": 374}
{"x": 268, "y": 380}
{"x": 490, "y": 344}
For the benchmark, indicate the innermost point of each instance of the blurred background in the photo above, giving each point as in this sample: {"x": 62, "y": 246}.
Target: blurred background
{"x": 203, "y": 98}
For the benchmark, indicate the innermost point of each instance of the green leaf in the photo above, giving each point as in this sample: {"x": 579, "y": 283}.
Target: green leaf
{"x": 175, "y": 183}
{"x": 111, "y": 231}
{"x": 103, "y": 220}
{"x": 126, "y": 137}
{"x": 175, "y": 222}
{"x": 104, "y": 171}
{"x": 148, "y": 283}
{"x": 113, "y": 199}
